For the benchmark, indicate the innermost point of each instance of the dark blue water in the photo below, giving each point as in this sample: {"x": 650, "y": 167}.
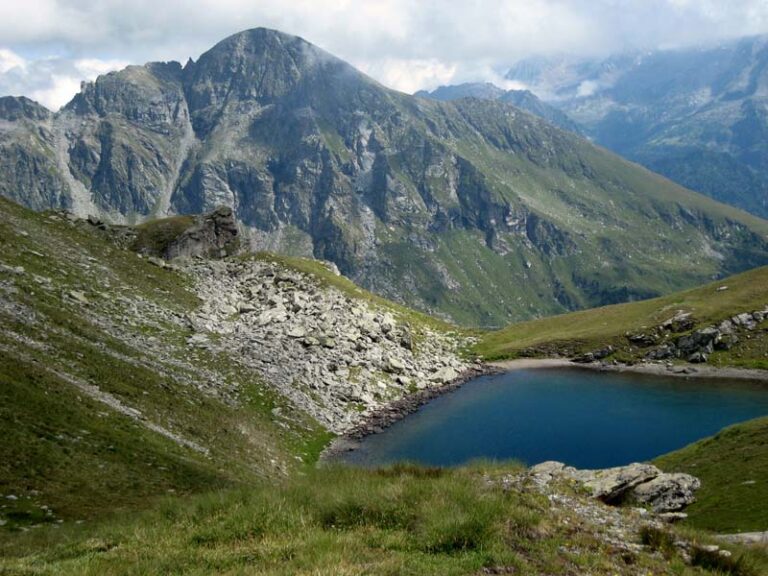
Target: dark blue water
{"x": 586, "y": 419}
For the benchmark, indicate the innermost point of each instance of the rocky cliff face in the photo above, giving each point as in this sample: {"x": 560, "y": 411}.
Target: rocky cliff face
{"x": 28, "y": 165}
{"x": 472, "y": 210}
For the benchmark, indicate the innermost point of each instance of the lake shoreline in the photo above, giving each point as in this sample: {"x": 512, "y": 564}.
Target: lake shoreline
{"x": 704, "y": 371}
{"x": 386, "y": 416}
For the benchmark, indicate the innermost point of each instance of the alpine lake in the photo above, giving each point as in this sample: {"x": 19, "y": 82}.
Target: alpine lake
{"x": 585, "y": 418}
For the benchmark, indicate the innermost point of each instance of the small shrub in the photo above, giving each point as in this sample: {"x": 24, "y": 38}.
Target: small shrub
{"x": 458, "y": 521}
{"x": 715, "y": 562}
{"x": 658, "y": 540}
{"x": 457, "y": 533}
{"x": 413, "y": 470}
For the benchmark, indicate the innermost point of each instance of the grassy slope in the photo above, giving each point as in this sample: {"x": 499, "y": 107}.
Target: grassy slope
{"x": 75, "y": 455}
{"x": 401, "y": 520}
{"x": 626, "y": 220}
{"x": 592, "y": 329}
{"x": 733, "y": 468}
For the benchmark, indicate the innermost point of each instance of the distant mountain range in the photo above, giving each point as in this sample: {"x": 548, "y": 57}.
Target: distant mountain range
{"x": 698, "y": 116}
{"x": 523, "y": 99}
{"x": 472, "y": 209}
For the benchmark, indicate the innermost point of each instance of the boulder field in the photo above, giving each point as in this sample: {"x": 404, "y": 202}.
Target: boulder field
{"x": 338, "y": 357}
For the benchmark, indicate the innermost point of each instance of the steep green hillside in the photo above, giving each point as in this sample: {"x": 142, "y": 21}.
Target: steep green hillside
{"x": 472, "y": 210}
{"x": 733, "y": 467}
{"x": 124, "y": 379}
{"x": 589, "y": 330}
{"x": 102, "y": 407}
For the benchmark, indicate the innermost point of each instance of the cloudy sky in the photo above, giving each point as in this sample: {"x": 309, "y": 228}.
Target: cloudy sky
{"x": 47, "y": 47}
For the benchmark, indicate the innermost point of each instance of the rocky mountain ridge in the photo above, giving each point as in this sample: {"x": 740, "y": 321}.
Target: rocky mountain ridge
{"x": 523, "y": 99}
{"x": 472, "y": 210}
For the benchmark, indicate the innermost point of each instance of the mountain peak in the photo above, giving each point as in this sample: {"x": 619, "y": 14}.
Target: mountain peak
{"x": 259, "y": 66}
{"x": 263, "y": 48}
{"x": 258, "y": 35}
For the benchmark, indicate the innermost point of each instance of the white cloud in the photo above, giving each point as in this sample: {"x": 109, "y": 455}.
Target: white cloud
{"x": 409, "y": 75}
{"x": 58, "y": 92}
{"x": 9, "y": 61}
{"x": 90, "y": 68}
{"x": 587, "y": 88}
{"x": 402, "y": 43}
{"x": 51, "y": 81}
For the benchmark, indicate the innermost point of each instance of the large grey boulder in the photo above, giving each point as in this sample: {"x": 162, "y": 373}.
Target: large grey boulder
{"x": 667, "y": 492}
{"x": 639, "y": 483}
{"x": 612, "y": 484}
{"x": 213, "y": 235}
{"x": 547, "y": 471}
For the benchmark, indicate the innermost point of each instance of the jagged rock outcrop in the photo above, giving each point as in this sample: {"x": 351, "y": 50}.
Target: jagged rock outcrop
{"x": 29, "y": 174}
{"x": 469, "y": 209}
{"x": 14, "y": 109}
{"x": 696, "y": 345}
{"x": 667, "y": 492}
{"x": 642, "y": 484}
{"x": 213, "y": 235}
